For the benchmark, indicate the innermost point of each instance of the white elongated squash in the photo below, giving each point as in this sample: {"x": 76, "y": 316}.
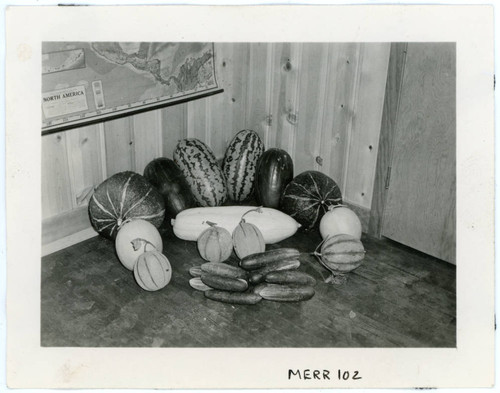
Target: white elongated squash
{"x": 274, "y": 224}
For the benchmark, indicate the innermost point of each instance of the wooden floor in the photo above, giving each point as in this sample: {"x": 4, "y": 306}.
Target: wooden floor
{"x": 397, "y": 298}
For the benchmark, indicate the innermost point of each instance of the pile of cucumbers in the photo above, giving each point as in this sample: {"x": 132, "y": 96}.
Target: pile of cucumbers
{"x": 270, "y": 275}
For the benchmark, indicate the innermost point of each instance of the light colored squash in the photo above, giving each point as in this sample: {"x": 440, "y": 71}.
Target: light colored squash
{"x": 215, "y": 244}
{"x": 247, "y": 239}
{"x": 339, "y": 219}
{"x": 152, "y": 271}
{"x": 274, "y": 225}
{"x": 134, "y": 238}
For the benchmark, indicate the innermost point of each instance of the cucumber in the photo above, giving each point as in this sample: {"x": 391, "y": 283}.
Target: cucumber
{"x": 257, "y": 276}
{"x": 197, "y": 284}
{"x": 261, "y": 259}
{"x": 195, "y": 271}
{"x": 290, "y": 277}
{"x": 233, "y": 297}
{"x": 224, "y": 283}
{"x": 284, "y": 293}
{"x": 224, "y": 270}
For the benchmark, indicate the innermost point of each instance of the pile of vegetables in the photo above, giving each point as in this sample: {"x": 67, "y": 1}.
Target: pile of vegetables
{"x": 126, "y": 208}
{"x": 271, "y": 275}
{"x": 206, "y": 202}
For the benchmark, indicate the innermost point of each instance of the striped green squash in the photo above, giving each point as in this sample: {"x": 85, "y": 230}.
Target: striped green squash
{"x": 341, "y": 253}
{"x": 121, "y": 198}
{"x": 204, "y": 176}
{"x": 240, "y": 164}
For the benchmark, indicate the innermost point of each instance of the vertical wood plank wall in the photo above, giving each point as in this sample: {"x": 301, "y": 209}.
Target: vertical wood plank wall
{"x": 322, "y": 102}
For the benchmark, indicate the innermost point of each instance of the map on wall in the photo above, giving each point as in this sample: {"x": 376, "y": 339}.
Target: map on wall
{"x": 87, "y": 82}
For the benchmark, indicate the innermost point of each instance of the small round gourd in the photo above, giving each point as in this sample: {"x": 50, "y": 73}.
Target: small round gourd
{"x": 247, "y": 238}
{"x": 152, "y": 271}
{"x": 215, "y": 244}
{"x": 341, "y": 253}
{"x": 134, "y": 238}
{"x": 339, "y": 219}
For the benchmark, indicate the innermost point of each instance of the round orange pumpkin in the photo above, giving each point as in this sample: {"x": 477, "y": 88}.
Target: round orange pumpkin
{"x": 134, "y": 238}
{"x": 215, "y": 244}
{"x": 152, "y": 271}
{"x": 338, "y": 220}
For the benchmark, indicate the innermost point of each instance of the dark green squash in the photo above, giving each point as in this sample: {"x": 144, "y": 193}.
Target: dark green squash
{"x": 164, "y": 175}
{"x": 308, "y": 196}
{"x": 123, "y": 197}
{"x": 274, "y": 172}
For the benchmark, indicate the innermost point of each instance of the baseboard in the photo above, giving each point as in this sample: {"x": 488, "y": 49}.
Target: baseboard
{"x": 68, "y": 241}
{"x": 66, "y": 229}
{"x": 362, "y": 212}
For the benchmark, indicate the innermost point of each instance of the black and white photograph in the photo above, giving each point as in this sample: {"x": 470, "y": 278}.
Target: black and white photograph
{"x": 224, "y": 201}
{"x": 268, "y": 191}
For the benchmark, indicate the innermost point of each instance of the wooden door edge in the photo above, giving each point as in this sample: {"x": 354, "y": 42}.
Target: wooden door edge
{"x": 395, "y": 74}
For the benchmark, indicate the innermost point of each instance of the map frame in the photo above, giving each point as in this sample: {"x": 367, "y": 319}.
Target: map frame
{"x": 98, "y": 115}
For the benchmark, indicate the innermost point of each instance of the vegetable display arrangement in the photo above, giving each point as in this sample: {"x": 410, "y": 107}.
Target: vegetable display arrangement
{"x": 190, "y": 190}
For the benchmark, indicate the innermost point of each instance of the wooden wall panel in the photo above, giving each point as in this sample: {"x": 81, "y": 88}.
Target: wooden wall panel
{"x": 364, "y": 135}
{"x": 289, "y": 107}
{"x": 239, "y": 96}
{"x": 281, "y": 70}
{"x": 221, "y": 105}
{"x": 147, "y": 138}
{"x": 197, "y": 119}
{"x": 173, "y": 128}
{"x": 341, "y": 80}
{"x": 312, "y": 90}
{"x": 84, "y": 162}
{"x": 119, "y": 142}
{"x": 257, "y": 103}
{"x": 56, "y": 184}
